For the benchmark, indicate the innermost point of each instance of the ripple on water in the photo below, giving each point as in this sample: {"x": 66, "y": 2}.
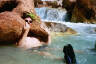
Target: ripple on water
{"x": 81, "y": 43}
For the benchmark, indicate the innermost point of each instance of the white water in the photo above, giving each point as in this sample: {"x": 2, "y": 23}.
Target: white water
{"x": 79, "y": 27}
{"x": 51, "y": 14}
{"x": 59, "y": 16}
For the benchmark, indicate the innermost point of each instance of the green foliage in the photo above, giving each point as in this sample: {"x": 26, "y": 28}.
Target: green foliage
{"x": 31, "y": 15}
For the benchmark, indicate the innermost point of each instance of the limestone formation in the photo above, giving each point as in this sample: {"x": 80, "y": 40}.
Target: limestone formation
{"x": 81, "y": 10}
{"x": 48, "y": 3}
{"x": 11, "y": 27}
{"x": 58, "y": 27}
{"x": 12, "y": 21}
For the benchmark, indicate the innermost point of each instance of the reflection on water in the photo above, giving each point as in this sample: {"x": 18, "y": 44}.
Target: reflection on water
{"x": 81, "y": 44}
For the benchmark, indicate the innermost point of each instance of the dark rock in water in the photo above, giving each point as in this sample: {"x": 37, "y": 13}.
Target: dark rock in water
{"x": 58, "y": 27}
{"x": 69, "y": 54}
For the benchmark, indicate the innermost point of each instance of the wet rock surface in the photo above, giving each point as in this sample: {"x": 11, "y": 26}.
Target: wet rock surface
{"x": 12, "y": 23}
{"x": 58, "y": 27}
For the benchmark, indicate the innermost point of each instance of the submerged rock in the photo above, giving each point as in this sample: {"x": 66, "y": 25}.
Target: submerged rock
{"x": 58, "y": 27}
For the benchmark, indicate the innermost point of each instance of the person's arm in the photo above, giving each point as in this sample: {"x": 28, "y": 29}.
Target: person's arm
{"x": 26, "y": 28}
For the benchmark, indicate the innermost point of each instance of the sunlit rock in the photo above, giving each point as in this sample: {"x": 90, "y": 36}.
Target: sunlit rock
{"x": 11, "y": 27}
{"x": 58, "y": 27}
{"x": 12, "y": 22}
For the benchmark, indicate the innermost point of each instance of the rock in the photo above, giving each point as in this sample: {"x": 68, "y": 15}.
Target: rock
{"x": 24, "y": 6}
{"x": 80, "y": 10}
{"x": 48, "y": 3}
{"x": 11, "y": 27}
{"x": 18, "y": 6}
{"x": 39, "y": 31}
{"x": 58, "y": 27}
{"x": 69, "y": 6}
{"x": 83, "y": 12}
{"x": 12, "y": 22}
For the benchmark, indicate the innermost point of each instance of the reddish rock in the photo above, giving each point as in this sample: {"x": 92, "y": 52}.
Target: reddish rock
{"x": 81, "y": 10}
{"x": 68, "y": 4}
{"x": 11, "y": 27}
{"x": 12, "y": 23}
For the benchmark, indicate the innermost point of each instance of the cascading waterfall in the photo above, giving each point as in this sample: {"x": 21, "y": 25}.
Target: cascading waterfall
{"x": 51, "y": 14}
{"x": 60, "y": 16}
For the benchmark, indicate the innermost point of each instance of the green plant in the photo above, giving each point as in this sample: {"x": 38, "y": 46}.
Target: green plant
{"x": 33, "y": 16}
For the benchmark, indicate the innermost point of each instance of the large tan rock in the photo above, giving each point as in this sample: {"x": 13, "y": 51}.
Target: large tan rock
{"x": 11, "y": 27}
{"x": 18, "y": 6}
{"x": 12, "y": 23}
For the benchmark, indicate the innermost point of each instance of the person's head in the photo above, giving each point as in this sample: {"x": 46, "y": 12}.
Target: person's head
{"x": 28, "y": 20}
{"x": 26, "y": 16}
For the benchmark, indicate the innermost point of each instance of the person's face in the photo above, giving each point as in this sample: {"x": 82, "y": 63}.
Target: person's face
{"x": 28, "y": 20}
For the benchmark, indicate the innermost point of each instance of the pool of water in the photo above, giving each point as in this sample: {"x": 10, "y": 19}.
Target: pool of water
{"x": 53, "y": 54}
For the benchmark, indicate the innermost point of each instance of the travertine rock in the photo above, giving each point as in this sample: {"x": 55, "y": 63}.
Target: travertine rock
{"x": 12, "y": 23}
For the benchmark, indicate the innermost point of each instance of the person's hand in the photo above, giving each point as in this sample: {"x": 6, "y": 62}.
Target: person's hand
{"x": 27, "y": 26}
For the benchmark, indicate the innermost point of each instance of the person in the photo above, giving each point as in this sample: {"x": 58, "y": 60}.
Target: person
{"x": 28, "y": 42}
{"x": 69, "y": 55}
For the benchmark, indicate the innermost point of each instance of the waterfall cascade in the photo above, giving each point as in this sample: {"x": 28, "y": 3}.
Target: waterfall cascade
{"x": 59, "y": 16}
{"x": 51, "y": 14}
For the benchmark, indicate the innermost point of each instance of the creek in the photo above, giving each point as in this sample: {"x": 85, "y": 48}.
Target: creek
{"x": 83, "y": 43}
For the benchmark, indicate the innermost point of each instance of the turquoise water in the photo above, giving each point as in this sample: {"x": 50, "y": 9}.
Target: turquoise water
{"x": 82, "y": 45}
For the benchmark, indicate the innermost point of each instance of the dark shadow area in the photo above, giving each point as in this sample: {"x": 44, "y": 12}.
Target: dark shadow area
{"x": 8, "y": 6}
